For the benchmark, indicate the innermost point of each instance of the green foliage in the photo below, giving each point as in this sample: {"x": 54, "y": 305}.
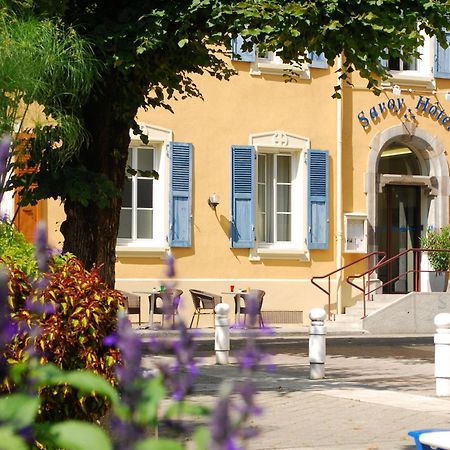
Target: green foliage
{"x": 437, "y": 239}
{"x": 16, "y": 250}
{"x": 71, "y": 338}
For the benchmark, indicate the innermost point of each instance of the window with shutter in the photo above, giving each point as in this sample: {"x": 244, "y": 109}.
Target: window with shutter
{"x": 143, "y": 225}
{"x": 242, "y": 196}
{"x": 442, "y": 60}
{"x": 238, "y": 54}
{"x": 180, "y": 216}
{"x": 317, "y": 199}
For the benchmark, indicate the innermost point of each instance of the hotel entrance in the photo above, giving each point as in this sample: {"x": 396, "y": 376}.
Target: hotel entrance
{"x": 399, "y": 214}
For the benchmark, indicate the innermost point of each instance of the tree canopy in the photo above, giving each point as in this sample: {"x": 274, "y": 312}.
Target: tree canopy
{"x": 147, "y": 53}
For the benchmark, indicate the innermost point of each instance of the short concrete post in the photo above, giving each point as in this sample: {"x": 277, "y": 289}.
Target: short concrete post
{"x": 317, "y": 344}
{"x": 222, "y": 339}
{"x": 442, "y": 354}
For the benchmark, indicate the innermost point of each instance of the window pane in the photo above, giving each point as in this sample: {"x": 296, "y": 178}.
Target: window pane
{"x": 284, "y": 169}
{"x": 144, "y": 224}
{"x": 261, "y": 227}
{"x": 145, "y": 193}
{"x": 262, "y": 168}
{"x": 283, "y": 227}
{"x": 126, "y": 195}
{"x": 130, "y": 154}
{"x": 394, "y": 64}
{"x": 145, "y": 159}
{"x": 261, "y": 198}
{"x": 125, "y": 224}
{"x": 284, "y": 198}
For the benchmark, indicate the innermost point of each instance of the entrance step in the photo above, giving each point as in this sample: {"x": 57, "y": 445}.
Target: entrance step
{"x": 352, "y": 319}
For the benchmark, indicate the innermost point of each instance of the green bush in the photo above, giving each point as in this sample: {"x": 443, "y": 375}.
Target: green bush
{"x": 437, "y": 239}
{"x": 72, "y": 337}
{"x": 16, "y": 251}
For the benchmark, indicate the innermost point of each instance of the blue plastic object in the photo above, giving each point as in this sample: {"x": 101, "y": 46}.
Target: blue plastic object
{"x": 416, "y": 433}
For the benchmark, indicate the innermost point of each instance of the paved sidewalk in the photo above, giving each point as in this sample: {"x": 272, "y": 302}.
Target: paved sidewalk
{"x": 368, "y": 401}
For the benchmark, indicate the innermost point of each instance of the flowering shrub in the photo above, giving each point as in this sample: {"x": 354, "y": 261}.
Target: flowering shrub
{"x": 70, "y": 334}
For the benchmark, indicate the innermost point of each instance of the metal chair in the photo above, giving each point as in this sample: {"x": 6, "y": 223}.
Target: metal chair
{"x": 254, "y": 294}
{"x": 132, "y": 303}
{"x": 168, "y": 306}
{"x": 204, "y": 303}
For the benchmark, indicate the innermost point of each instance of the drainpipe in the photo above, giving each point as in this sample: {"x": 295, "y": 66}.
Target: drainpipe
{"x": 339, "y": 209}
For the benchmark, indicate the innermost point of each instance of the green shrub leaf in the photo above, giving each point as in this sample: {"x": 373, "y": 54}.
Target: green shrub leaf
{"x": 152, "y": 392}
{"x": 74, "y": 435}
{"x": 18, "y": 409}
{"x": 185, "y": 408}
{"x": 10, "y": 441}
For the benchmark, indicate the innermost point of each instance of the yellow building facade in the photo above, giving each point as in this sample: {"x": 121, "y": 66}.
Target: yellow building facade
{"x": 324, "y": 181}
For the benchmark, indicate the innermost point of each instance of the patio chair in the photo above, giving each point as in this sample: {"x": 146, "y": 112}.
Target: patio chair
{"x": 168, "y": 304}
{"x": 256, "y": 294}
{"x": 132, "y": 303}
{"x": 204, "y": 303}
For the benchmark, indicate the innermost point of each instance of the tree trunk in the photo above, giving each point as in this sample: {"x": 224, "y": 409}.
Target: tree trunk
{"x": 90, "y": 232}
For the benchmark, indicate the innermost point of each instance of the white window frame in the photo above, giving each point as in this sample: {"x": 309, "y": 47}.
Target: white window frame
{"x": 423, "y": 75}
{"x": 283, "y": 142}
{"x": 272, "y": 64}
{"x": 159, "y": 139}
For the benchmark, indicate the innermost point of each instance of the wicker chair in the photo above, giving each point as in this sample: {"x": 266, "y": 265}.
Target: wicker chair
{"x": 204, "y": 303}
{"x": 172, "y": 297}
{"x": 132, "y": 303}
{"x": 255, "y": 294}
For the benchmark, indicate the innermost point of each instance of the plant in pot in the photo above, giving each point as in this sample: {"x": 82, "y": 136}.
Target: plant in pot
{"x": 439, "y": 260}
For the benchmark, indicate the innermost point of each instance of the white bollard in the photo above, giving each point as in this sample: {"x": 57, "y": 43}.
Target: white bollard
{"x": 317, "y": 344}
{"x": 222, "y": 339}
{"x": 442, "y": 354}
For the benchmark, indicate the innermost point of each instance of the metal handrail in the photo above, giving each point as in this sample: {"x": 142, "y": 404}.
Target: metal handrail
{"x": 416, "y": 252}
{"x": 328, "y": 275}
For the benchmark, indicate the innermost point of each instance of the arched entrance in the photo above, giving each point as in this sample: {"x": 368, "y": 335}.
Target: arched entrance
{"x": 407, "y": 186}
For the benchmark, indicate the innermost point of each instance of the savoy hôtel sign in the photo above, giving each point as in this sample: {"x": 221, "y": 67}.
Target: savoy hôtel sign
{"x": 398, "y": 107}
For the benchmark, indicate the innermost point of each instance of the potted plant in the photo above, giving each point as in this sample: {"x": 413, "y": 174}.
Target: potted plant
{"x": 439, "y": 261}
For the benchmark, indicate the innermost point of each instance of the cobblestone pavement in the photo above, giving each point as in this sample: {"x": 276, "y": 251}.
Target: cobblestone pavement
{"x": 370, "y": 399}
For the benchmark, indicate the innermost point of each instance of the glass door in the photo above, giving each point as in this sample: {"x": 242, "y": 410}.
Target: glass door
{"x": 398, "y": 229}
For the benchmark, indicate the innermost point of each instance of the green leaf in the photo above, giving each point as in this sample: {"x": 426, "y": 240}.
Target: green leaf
{"x": 84, "y": 380}
{"x": 19, "y": 409}
{"x": 131, "y": 171}
{"x": 10, "y": 441}
{"x": 202, "y": 438}
{"x": 158, "y": 444}
{"x": 152, "y": 392}
{"x": 149, "y": 173}
{"x": 185, "y": 408}
{"x": 183, "y": 42}
{"x": 74, "y": 435}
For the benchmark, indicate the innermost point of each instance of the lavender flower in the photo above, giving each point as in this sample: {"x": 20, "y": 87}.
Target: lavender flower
{"x": 7, "y": 327}
{"x": 42, "y": 251}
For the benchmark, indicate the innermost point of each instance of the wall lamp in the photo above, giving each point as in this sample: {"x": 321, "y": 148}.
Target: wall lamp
{"x": 396, "y": 90}
{"x": 213, "y": 200}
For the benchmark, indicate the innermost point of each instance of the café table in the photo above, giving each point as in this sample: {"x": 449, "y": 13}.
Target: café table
{"x": 237, "y": 320}
{"x": 152, "y": 297}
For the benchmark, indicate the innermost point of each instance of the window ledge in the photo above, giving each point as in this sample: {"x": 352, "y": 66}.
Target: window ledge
{"x": 141, "y": 251}
{"x": 279, "y": 253}
{"x": 410, "y": 78}
{"x": 268, "y": 68}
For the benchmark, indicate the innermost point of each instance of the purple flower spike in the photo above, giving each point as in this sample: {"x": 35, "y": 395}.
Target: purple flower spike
{"x": 41, "y": 251}
{"x": 170, "y": 266}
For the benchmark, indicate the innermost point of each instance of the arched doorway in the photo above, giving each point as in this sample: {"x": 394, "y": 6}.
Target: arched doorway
{"x": 407, "y": 191}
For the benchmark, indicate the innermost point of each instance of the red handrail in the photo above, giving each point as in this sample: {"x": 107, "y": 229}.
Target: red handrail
{"x": 417, "y": 253}
{"x": 328, "y": 275}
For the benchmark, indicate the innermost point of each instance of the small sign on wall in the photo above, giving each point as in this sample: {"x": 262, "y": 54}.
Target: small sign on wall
{"x": 355, "y": 232}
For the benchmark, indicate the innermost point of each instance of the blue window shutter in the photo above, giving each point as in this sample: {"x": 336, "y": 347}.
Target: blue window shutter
{"x": 318, "y": 61}
{"x": 237, "y": 54}
{"x": 243, "y": 183}
{"x": 180, "y": 208}
{"x": 442, "y": 60}
{"x": 317, "y": 199}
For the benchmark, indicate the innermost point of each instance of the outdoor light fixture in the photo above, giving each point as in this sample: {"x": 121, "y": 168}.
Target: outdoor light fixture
{"x": 396, "y": 90}
{"x": 213, "y": 200}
